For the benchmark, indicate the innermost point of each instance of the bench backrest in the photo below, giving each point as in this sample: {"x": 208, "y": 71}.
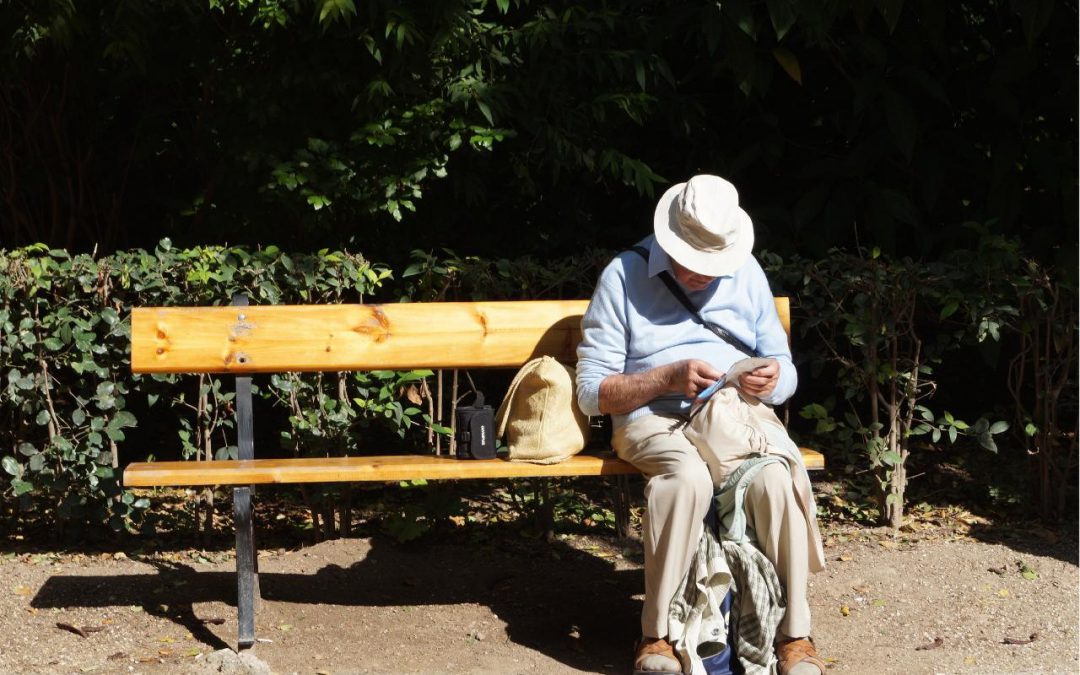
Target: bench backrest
{"x": 281, "y": 338}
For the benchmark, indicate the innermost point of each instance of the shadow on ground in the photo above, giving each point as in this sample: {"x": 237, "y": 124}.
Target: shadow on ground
{"x": 571, "y": 606}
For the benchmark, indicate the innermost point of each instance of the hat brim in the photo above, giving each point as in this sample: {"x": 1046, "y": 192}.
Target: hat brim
{"x": 708, "y": 263}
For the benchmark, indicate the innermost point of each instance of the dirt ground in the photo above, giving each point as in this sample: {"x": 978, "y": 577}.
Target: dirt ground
{"x": 961, "y": 597}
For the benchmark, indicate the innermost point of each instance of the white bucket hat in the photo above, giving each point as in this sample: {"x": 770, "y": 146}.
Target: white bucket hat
{"x": 700, "y": 225}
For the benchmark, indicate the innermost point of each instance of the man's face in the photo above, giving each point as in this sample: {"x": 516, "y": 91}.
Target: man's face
{"x": 691, "y": 281}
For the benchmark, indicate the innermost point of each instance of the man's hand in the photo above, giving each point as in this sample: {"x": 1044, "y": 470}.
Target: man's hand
{"x": 761, "y": 381}
{"x": 691, "y": 377}
{"x": 619, "y": 394}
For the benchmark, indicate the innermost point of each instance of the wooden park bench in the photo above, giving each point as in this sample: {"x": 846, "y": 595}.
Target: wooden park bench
{"x": 245, "y": 340}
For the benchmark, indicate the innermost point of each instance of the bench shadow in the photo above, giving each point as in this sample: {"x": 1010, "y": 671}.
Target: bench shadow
{"x": 569, "y": 605}
{"x": 171, "y": 594}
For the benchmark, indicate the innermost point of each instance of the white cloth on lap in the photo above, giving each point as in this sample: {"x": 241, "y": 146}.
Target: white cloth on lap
{"x": 759, "y": 607}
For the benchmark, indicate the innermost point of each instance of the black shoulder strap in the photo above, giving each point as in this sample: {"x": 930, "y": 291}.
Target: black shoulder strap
{"x": 680, "y": 295}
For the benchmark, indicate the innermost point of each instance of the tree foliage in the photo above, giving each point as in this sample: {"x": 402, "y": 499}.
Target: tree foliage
{"x": 517, "y": 125}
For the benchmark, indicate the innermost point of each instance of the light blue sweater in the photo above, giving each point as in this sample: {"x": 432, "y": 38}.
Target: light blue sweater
{"x": 634, "y": 323}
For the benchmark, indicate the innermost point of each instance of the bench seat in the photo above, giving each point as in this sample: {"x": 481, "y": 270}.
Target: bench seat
{"x": 377, "y": 468}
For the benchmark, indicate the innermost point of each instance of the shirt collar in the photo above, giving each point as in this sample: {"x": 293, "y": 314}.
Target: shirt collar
{"x": 659, "y": 261}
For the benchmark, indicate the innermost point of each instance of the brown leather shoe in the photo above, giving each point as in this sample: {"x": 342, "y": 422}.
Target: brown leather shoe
{"x": 794, "y": 652}
{"x": 658, "y": 648}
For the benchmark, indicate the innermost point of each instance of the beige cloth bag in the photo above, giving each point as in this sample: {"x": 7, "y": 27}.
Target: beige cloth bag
{"x": 540, "y": 417}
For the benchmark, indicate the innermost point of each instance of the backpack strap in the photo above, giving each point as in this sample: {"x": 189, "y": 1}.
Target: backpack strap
{"x": 680, "y": 295}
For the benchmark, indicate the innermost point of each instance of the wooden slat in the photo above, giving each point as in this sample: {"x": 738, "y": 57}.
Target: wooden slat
{"x": 381, "y": 468}
{"x": 277, "y": 338}
{"x": 352, "y": 337}
{"x": 812, "y": 459}
{"x": 348, "y": 469}
{"x": 783, "y": 309}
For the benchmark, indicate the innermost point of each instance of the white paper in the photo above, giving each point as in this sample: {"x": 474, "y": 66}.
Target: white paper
{"x": 731, "y": 377}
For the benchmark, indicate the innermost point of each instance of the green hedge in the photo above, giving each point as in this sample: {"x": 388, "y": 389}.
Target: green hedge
{"x": 64, "y": 356}
{"x": 68, "y": 394}
{"x": 873, "y": 333}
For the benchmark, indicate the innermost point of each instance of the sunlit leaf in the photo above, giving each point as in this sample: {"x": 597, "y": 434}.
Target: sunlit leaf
{"x": 11, "y": 466}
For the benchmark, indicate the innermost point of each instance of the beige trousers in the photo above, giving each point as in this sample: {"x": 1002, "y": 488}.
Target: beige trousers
{"x": 678, "y": 491}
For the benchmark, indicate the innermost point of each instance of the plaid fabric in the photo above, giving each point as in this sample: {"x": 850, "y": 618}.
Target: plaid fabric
{"x": 759, "y": 606}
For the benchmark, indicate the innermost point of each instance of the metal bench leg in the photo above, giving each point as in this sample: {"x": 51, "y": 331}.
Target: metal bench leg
{"x": 247, "y": 572}
{"x": 247, "y": 561}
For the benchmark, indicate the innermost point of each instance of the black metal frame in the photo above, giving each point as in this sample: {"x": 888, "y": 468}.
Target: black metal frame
{"x": 247, "y": 557}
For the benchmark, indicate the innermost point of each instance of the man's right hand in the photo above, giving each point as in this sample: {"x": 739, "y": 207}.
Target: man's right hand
{"x": 619, "y": 394}
{"x": 691, "y": 377}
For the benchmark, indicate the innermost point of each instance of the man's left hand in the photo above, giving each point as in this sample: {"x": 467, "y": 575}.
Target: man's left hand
{"x": 761, "y": 381}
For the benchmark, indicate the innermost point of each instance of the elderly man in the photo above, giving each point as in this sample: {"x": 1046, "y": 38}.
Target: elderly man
{"x": 643, "y": 359}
